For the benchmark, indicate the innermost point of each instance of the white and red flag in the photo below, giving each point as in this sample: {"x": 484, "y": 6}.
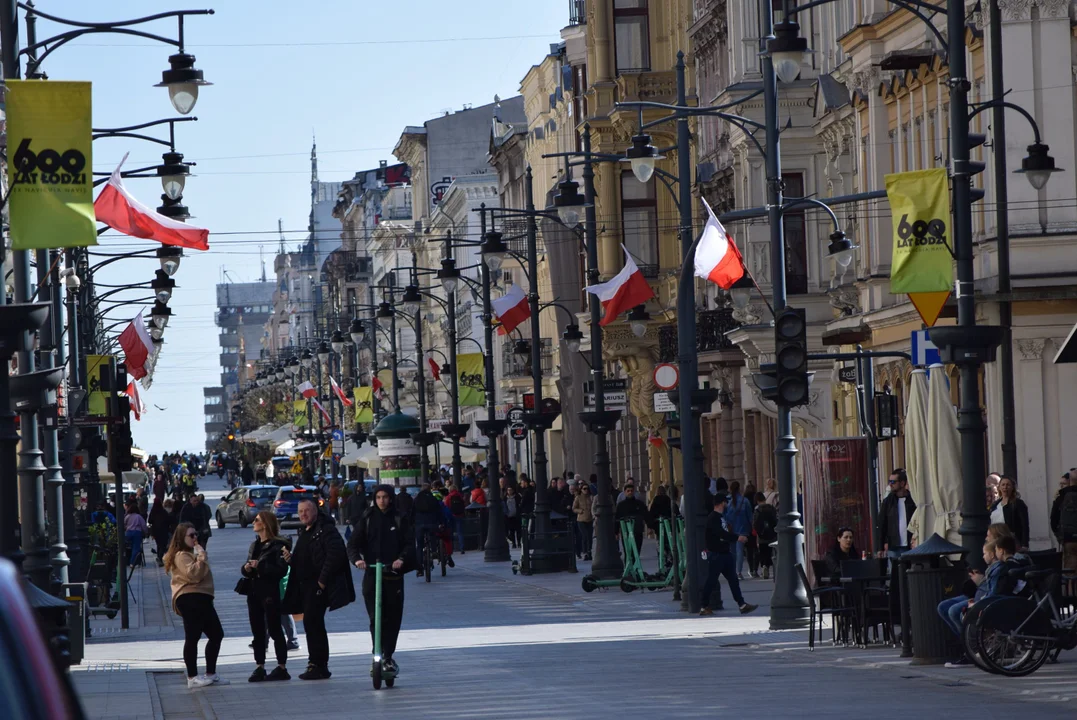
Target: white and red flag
{"x": 717, "y": 256}
{"x": 137, "y": 406}
{"x": 118, "y": 209}
{"x": 511, "y": 309}
{"x": 318, "y": 405}
{"x": 306, "y": 389}
{"x": 344, "y": 399}
{"x": 623, "y": 291}
{"x": 137, "y": 347}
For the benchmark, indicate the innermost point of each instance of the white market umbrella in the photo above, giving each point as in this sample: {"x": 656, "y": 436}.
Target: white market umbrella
{"x": 944, "y": 453}
{"x": 916, "y": 454}
{"x": 467, "y": 455}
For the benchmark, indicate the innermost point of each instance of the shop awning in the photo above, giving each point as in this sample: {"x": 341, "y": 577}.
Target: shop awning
{"x": 278, "y": 436}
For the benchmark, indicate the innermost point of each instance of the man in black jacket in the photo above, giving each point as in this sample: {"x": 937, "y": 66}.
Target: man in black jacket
{"x": 320, "y": 580}
{"x": 894, "y": 516}
{"x": 384, "y": 536}
{"x": 720, "y": 559}
{"x": 634, "y": 509}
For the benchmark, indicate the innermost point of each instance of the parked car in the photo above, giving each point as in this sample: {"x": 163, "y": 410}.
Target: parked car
{"x": 32, "y": 687}
{"x": 286, "y": 503}
{"x": 243, "y": 503}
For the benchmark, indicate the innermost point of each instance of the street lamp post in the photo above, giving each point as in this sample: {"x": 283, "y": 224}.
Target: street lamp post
{"x": 450, "y": 277}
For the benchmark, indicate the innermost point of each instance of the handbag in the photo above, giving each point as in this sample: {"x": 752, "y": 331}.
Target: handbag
{"x": 243, "y": 586}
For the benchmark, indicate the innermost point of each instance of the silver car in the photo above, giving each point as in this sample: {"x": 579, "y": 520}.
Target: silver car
{"x": 243, "y": 503}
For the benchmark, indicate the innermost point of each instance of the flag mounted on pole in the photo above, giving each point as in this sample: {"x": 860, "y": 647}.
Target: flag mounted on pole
{"x": 137, "y": 346}
{"x": 137, "y": 406}
{"x": 511, "y": 309}
{"x": 717, "y": 256}
{"x": 118, "y": 209}
{"x": 623, "y": 291}
{"x": 434, "y": 369}
{"x": 344, "y": 399}
{"x": 318, "y": 405}
{"x": 306, "y": 390}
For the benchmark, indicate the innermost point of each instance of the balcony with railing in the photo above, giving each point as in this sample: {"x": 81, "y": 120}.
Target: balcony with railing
{"x": 577, "y": 12}
{"x": 711, "y": 327}
{"x": 519, "y": 366}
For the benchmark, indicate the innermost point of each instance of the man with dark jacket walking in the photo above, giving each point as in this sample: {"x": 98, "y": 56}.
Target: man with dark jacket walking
{"x": 320, "y": 580}
{"x": 720, "y": 559}
{"x": 384, "y": 536}
{"x": 633, "y": 509}
{"x": 894, "y": 516}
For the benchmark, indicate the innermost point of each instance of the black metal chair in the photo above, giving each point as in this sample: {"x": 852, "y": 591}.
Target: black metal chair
{"x": 871, "y": 599}
{"x": 829, "y": 603}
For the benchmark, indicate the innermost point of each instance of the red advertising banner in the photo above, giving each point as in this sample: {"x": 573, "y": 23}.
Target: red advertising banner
{"x": 835, "y": 493}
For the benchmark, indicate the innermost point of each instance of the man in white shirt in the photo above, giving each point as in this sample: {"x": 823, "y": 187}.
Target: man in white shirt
{"x": 894, "y": 515}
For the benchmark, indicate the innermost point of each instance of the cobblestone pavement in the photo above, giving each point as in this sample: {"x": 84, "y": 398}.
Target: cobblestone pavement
{"x": 484, "y": 643}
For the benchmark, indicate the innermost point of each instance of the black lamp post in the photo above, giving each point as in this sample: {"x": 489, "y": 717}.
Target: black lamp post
{"x": 449, "y": 276}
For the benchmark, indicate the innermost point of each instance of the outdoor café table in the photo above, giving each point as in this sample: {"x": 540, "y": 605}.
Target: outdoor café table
{"x": 860, "y": 578}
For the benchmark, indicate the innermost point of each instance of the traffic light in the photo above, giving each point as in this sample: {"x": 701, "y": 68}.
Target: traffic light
{"x": 791, "y": 357}
{"x": 975, "y": 167}
{"x": 119, "y": 436}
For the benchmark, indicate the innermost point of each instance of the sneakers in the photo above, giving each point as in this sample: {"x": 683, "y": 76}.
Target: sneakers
{"x": 766, "y": 573}
{"x": 259, "y": 675}
{"x": 315, "y": 673}
{"x": 704, "y": 612}
{"x": 198, "y": 681}
{"x": 278, "y": 673}
{"x": 389, "y": 665}
{"x": 451, "y": 563}
{"x": 216, "y": 679}
{"x": 293, "y": 644}
{"x": 746, "y": 608}
{"x": 962, "y": 661}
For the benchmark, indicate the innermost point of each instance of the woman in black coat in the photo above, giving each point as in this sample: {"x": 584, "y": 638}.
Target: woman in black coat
{"x": 842, "y": 550}
{"x": 262, "y": 573}
{"x": 1011, "y": 509}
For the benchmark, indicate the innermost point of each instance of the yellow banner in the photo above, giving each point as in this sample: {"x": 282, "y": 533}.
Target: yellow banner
{"x": 50, "y": 164}
{"x": 469, "y": 368}
{"x": 280, "y": 411}
{"x": 96, "y": 398}
{"x": 920, "y": 213}
{"x": 364, "y": 405}
{"x": 299, "y": 413}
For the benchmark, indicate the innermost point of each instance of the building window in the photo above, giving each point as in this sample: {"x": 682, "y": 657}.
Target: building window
{"x": 796, "y": 241}
{"x": 632, "y": 41}
{"x": 579, "y": 100}
{"x": 639, "y": 218}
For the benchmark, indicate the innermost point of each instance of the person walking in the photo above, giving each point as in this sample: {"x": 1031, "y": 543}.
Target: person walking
{"x": 1064, "y": 521}
{"x": 319, "y": 581}
{"x": 192, "y": 600}
{"x": 428, "y": 517}
{"x": 720, "y": 560}
{"x": 585, "y": 520}
{"x": 1012, "y": 510}
{"x": 262, "y": 575}
{"x": 384, "y": 536}
{"x": 633, "y": 509}
{"x": 135, "y": 528}
{"x": 510, "y": 507}
{"x": 765, "y": 524}
{"x": 738, "y": 515}
{"x": 457, "y": 506}
{"x": 161, "y": 527}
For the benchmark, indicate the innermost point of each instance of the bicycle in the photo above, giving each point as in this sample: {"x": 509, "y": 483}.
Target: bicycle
{"x": 1014, "y": 636}
{"x": 433, "y": 550}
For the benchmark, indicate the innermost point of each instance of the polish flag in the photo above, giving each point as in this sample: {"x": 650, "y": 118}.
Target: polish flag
{"x": 137, "y": 406}
{"x": 116, "y": 208}
{"x": 655, "y": 440}
{"x": 622, "y": 292}
{"x": 306, "y": 390}
{"x": 137, "y": 347}
{"x": 511, "y": 309}
{"x": 344, "y": 399}
{"x": 434, "y": 369}
{"x": 375, "y": 383}
{"x": 315, "y": 403}
{"x": 717, "y": 257}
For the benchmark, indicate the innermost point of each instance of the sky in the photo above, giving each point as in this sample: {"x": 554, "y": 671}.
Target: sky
{"x": 350, "y": 74}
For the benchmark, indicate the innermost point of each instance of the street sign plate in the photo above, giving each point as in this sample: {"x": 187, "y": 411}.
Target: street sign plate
{"x": 666, "y": 376}
{"x": 662, "y": 403}
{"x": 516, "y": 416}
{"x": 518, "y": 431}
{"x": 612, "y": 398}
{"x": 924, "y": 353}
{"x": 338, "y": 434}
{"x": 847, "y": 374}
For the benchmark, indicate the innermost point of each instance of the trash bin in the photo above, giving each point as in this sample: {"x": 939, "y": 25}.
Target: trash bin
{"x": 474, "y": 525}
{"x": 931, "y": 577}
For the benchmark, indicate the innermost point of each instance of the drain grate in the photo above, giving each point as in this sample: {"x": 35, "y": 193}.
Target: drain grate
{"x": 108, "y": 667}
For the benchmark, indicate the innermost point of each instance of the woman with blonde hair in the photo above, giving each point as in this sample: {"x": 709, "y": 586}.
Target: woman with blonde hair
{"x": 261, "y": 583}
{"x": 192, "y": 600}
{"x": 770, "y": 491}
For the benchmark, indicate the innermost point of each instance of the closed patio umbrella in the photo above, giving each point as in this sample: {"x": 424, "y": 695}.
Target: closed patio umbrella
{"x": 944, "y": 456}
{"x": 916, "y": 456}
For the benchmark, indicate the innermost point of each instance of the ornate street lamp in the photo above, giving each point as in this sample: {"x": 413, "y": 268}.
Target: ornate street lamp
{"x": 182, "y": 80}
{"x": 787, "y": 50}
{"x": 642, "y": 156}
{"x": 338, "y": 342}
{"x": 493, "y": 250}
{"x": 569, "y": 202}
{"x": 162, "y": 286}
{"x": 169, "y": 258}
{"x": 638, "y": 319}
{"x": 307, "y": 359}
{"x": 841, "y": 249}
{"x": 173, "y": 173}
{"x": 1038, "y": 166}
{"x": 356, "y": 331}
{"x": 572, "y": 337}
{"x": 412, "y": 299}
{"x": 323, "y": 352}
{"x": 448, "y": 275}
{"x": 160, "y": 314}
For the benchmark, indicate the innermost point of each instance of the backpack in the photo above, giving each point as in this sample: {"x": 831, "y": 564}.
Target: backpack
{"x": 457, "y": 505}
{"x": 425, "y": 503}
{"x": 1067, "y": 521}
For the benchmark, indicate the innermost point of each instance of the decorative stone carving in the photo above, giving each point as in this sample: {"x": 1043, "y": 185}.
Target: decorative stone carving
{"x": 845, "y": 300}
{"x": 1053, "y": 9}
{"x": 640, "y": 369}
{"x": 750, "y": 315}
{"x": 1031, "y": 349}
{"x": 1015, "y": 9}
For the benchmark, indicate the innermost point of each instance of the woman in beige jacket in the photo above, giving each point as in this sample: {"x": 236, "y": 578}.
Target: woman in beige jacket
{"x": 584, "y": 518}
{"x": 192, "y": 600}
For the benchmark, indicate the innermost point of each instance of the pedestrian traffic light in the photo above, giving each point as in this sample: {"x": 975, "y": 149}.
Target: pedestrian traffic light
{"x": 975, "y": 167}
{"x": 791, "y": 357}
{"x": 119, "y": 436}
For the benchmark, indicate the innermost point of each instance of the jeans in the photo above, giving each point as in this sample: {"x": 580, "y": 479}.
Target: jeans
{"x": 458, "y": 531}
{"x": 288, "y": 623}
{"x": 740, "y": 557}
{"x": 133, "y": 539}
{"x": 952, "y": 610}
{"x": 586, "y": 533}
{"x": 721, "y": 564}
{"x": 199, "y": 617}
{"x": 392, "y": 608}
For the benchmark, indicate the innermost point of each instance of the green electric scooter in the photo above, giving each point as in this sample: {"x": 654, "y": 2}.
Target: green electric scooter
{"x": 378, "y": 670}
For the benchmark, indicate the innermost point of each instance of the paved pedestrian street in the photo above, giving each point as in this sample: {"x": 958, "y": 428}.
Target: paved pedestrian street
{"x": 483, "y": 643}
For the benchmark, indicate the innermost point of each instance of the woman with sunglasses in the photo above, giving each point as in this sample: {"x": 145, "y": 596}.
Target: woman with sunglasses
{"x": 192, "y": 600}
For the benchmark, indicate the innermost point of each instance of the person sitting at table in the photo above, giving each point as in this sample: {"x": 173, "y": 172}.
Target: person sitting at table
{"x": 842, "y": 550}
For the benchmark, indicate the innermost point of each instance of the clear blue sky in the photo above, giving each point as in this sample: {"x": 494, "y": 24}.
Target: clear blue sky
{"x": 352, "y": 72}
